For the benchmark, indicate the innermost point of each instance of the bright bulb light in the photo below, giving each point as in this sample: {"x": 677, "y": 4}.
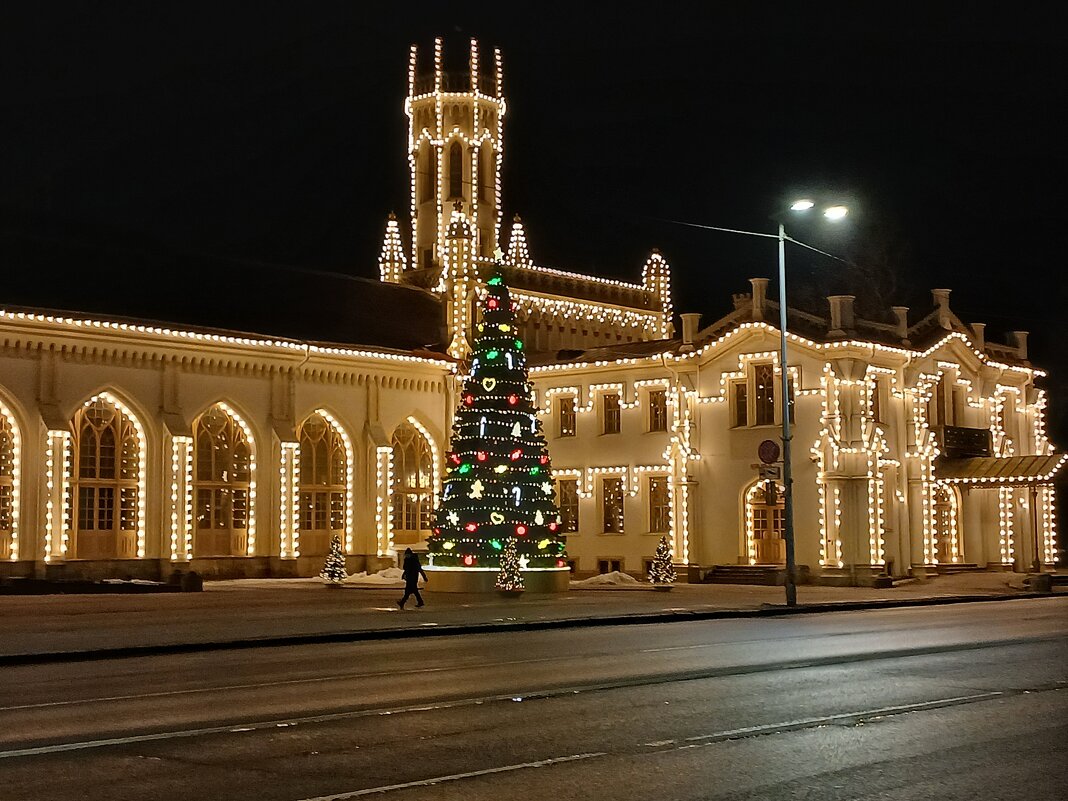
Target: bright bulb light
{"x": 801, "y": 205}
{"x": 835, "y": 212}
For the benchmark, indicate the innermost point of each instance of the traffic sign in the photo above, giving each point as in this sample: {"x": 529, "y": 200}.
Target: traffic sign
{"x": 768, "y": 451}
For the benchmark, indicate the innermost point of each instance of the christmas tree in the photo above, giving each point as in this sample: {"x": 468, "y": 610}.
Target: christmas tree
{"x": 334, "y": 568}
{"x": 498, "y": 481}
{"x": 661, "y": 571}
{"x": 510, "y": 578}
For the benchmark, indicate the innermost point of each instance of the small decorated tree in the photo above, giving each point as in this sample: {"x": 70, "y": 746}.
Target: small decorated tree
{"x": 510, "y": 579}
{"x": 661, "y": 571}
{"x": 333, "y": 571}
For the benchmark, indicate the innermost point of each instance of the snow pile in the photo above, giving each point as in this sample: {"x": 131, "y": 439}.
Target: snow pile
{"x": 613, "y": 579}
{"x": 389, "y": 577}
{"x": 130, "y": 581}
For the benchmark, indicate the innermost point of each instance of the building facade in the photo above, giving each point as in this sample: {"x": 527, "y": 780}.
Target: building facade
{"x": 131, "y": 448}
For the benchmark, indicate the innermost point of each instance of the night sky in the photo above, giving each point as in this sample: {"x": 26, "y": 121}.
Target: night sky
{"x": 274, "y": 136}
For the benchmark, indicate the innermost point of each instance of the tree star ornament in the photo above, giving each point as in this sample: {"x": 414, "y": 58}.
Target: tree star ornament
{"x": 547, "y": 488}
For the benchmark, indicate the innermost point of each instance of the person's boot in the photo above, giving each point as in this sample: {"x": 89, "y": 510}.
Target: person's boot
{"x": 400, "y": 604}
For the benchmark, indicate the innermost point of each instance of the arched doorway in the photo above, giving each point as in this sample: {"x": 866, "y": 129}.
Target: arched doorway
{"x": 412, "y": 500}
{"x": 223, "y": 484}
{"x": 107, "y": 482}
{"x": 764, "y": 515}
{"x": 946, "y": 524}
{"x": 325, "y": 475}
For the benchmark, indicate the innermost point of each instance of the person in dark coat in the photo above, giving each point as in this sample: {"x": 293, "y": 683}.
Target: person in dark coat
{"x": 412, "y": 570}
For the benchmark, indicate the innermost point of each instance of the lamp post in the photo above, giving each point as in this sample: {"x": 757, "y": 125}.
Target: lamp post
{"x": 832, "y": 213}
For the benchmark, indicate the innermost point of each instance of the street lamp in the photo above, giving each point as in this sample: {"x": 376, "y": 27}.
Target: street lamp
{"x": 832, "y": 213}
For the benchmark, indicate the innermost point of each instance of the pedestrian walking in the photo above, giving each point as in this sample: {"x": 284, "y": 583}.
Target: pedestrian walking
{"x": 412, "y": 570}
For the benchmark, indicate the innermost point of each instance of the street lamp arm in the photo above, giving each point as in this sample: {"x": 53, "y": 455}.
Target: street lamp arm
{"x": 789, "y": 238}
{"x": 725, "y": 230}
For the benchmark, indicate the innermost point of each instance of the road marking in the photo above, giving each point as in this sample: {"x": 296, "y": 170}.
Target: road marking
{"x": 808, "y": 723}
{"x": 541, "y": 763}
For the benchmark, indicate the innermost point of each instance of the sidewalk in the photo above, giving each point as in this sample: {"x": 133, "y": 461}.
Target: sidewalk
{"x": 285, "y": 611}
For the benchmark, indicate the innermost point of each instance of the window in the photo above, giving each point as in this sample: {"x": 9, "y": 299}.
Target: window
{"x": 741, "y": 403}
{"x": 456, "y": 171}
{"x": 658, "y": 410}
{"x": 566, "y": 408}
{"x": 764, "y": 395}
{"x": 107, "y": 451}
{"x": 610, "y": 413}
{"x": 659, "y": 504}
{"x": 323, "y": 475}
{"x": 609, "y": 566}
{"x": 412, "y": 502}
{"x": 567, "y": 502}
{"x": 940, "y": 402}
{"x": 222, "y": 476}
{"x": 877, "y": 400}
{"x": 612, "y": 505}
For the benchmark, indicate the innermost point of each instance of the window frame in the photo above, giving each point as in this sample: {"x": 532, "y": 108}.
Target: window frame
{"x": 571, "y": 414}
{"x": 569, "y": 523}
{"x": 615, "y": 413}
{"x": 656, "y": 419}
{"x": 618, "y": 521}
{"x": 655, "y": 511}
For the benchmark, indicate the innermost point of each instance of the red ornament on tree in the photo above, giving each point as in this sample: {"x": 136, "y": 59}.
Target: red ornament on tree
{"x": 521, "y": 530}
{"x": 516, "y": 454}
{"x": 513, "y": 399}
{"x": 472, "y": 527}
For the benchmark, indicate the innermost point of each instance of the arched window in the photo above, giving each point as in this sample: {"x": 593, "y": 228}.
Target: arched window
{"x": 104, "y": 484}
{"x": 323, "y": 484}
{"x": 456, "y": 171}
{"x": 222, "y": 483}
{"x": 9, "y": 467}
{"x": 413, "y": 484}
{"x": 428, "y": 171}
{"x": 764, "y": 510}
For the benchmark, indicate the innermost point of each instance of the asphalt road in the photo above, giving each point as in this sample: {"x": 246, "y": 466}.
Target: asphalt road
{"x": 965, "y": 701}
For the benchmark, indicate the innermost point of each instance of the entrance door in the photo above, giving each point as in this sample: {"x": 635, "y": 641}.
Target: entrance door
{"x": 946, "y": 526}
{"x": 766, "y": 512}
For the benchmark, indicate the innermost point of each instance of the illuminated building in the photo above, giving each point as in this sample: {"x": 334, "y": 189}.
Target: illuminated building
{"x": 130, "y": 447}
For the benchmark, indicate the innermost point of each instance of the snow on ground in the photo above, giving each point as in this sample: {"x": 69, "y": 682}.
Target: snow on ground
{"x": 389, "y": 577}
{"x": 613, "y": 580}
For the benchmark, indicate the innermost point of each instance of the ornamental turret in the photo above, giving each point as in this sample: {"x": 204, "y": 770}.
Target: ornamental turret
{"x": 455, "y": 121}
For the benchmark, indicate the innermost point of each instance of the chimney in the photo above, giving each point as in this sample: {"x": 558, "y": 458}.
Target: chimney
{"x": 841, "y": 314}
{"x": 901, "y": 329}
{"x": 941, "y": 302}
{"x": 760, "y": 294}
{"x": 979, "y": 336}
{"x": 689, "y": 330}
{"x": 1019, "y": 339}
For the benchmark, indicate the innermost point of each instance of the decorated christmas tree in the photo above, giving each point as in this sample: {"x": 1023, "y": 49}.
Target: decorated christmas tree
{"x": 498, "y": 481}
{"x": 334, "y": 568}
{"x": 661, "y": 571}
{"x": 510, "y": 579}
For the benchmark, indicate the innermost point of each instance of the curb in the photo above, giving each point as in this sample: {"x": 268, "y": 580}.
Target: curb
{"x": 370, "y": 635}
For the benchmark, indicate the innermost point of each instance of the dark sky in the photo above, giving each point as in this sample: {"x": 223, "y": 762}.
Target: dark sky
{"x": 274, "y": 135}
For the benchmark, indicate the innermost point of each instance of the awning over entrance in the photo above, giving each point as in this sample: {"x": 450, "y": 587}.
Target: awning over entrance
{"x": 1000, "y": 471}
